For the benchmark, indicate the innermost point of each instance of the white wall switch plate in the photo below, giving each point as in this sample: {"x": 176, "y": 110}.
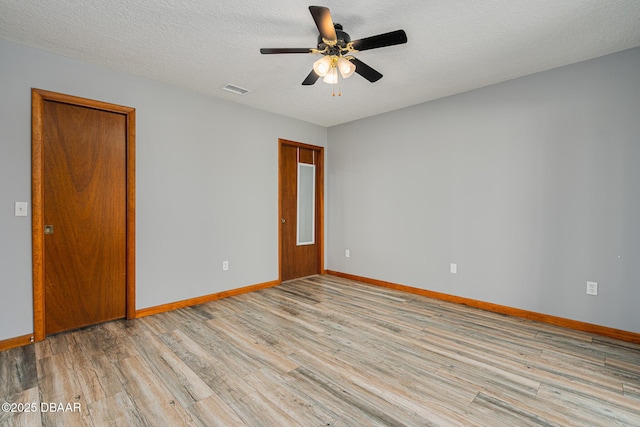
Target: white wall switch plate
{"x": 225, "y": 265}
{"x": 453, "y": 268}
{"x": 21, "y": 208}
{"x": 347, "y": 254}
{"x": 592, "y": 288}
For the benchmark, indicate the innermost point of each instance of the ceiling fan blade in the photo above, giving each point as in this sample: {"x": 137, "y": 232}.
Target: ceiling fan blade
{"x": 365, "y": 71}
{"x": 381, "y": 40}
{"x": 270, "y": 50}
{"x": 322, "y": 18}
{"x": 311, "y": 78}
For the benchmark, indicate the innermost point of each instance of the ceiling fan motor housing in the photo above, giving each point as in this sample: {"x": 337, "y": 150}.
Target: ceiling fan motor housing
{"x": 343, "y": 39}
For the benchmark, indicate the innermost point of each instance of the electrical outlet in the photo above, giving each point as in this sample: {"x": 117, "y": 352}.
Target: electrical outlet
{"x": 592, "y": 288}
{"x": 225, "y": 265}
{"x": 347, "y": 254}
{"x": 453, "y": 268}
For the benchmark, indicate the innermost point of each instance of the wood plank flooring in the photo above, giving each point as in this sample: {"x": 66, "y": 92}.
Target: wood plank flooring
{"x": 325, "y": 351}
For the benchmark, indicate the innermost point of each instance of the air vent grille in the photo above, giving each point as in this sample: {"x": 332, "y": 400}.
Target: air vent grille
{"x": 235, "y": 89}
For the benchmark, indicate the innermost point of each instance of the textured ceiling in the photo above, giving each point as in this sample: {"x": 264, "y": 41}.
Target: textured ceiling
{"x": 453, "y": 45}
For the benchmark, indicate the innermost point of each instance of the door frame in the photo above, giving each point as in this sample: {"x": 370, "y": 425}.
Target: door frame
{"x": 319, "y": 201}
{"x": 38, "y": 97}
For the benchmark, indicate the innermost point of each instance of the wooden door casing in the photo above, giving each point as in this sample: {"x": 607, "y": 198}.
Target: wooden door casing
{"x": 83, "y": 178}
{"x": 305, "y": 260}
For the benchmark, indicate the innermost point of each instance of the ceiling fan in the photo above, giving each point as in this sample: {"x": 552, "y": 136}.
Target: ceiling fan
{"x": 336, "y": 49}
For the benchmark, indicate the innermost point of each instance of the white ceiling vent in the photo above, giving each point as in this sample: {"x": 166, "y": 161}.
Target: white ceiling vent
{"x": 236, "y": 89}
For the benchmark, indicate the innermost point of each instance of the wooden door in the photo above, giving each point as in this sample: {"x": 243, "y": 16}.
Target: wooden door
{"x": 299, "y": 259}
{"x": 84, "y": 214}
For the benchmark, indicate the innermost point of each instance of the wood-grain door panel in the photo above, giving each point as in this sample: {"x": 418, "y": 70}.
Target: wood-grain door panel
{"x": 299, "y": 260}
{"x": 85, "y": 202}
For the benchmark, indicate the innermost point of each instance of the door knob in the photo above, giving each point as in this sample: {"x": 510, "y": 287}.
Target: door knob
{"x": 48, "y": 229}
{"x": 282, "y": 219}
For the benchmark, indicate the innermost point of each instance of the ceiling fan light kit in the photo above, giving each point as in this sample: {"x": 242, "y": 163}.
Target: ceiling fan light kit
{"x": 327, "y": 67}
{"x": 336, "y": 49}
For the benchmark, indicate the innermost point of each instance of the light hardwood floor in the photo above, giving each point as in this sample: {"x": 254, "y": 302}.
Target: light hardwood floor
{"x": 325, "y": 352}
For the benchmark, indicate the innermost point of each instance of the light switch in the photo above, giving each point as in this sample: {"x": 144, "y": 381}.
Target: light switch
{"x": 21, "y": 208}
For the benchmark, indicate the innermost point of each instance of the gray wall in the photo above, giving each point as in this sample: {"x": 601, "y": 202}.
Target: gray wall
{"x": 531, "y": 186}
{"x": 207, "y": 182}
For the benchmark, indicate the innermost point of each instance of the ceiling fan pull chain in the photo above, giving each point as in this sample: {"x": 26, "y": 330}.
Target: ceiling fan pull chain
{"x": 337, "y": 83}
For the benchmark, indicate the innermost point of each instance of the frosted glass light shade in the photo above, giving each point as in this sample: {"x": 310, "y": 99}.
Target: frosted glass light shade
{"x": 331, "y": 77}
{"x": 346, "y": 67}
{"x": 322, "y": 66}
